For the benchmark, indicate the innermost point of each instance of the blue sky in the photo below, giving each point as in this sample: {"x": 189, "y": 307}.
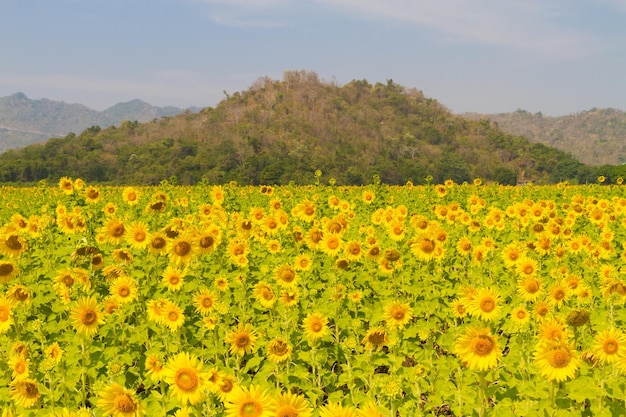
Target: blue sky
{"x": 554, "y": 56}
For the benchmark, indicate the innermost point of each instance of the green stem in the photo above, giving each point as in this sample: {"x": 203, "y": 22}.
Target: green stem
{"x": 482, "y": 393}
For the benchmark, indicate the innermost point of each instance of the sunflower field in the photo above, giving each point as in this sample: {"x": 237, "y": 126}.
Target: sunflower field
{"x": 312, "y": 301}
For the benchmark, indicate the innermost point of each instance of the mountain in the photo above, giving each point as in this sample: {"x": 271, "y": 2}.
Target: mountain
{"x": 24, "y": 121}
{"x": 596, "y": 136}
{"x": 281, "y": 131}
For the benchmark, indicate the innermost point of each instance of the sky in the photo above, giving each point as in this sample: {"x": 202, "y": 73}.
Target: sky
{"x": 557, "y": 57}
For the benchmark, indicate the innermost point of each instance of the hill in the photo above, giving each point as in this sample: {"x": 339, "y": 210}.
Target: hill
{"x": 280, "y": 131}
{"x": 24, "y": 121}
{"x": 596, "y": 136}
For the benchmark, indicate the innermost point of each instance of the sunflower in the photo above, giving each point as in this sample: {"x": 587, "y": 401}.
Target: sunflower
{"x": 526, "y": 267}
{"x": 185, "y": 377}
{"x": 529, "y": 288}
{"x": 227, "y": 387}
{"x": 287, "y": 404}
{"x": 337, "y": 410}
{"x": 173, "y": 278}
{"x": 520, "y": 316}
{"x": 375, "y": 338}
{"x": 158, "y": 243}
{"x": 286, "y": 276}
{"x": 278, "y": 350}
{"x": 117, "y": 401}
{"x": 313, "y": 237}
{"x": 424, "y": 249}
{"x": 19, "y": 293}
{"x": 114, "y": 231}
{"x": 609, "y": 345}
{"x": 66, "y": 185}
{"x": 242, "y": 340}
{"x": 206, "y": 241}
{"x": 331, "y": 244}
{"x": 86, "y": 316}
{"x": 315, "y": 326}
{"x": 172, "y": 316}
{"x": 370, "y": 409}
{"x": 264, "y": 294}
{"x": 485, "y": 304}
{"x": 557, "y": 360}
{"x": 154, "y": 367}
{"x": 181, "y": 249}
{"x": 558, "y": 294}
{"x": 478, "y": 349}
{"x": 353, "y": 251}
{"x": 24, "y": 392}
{"x": 54, "y": 352}
{"x": 123, "y": 256}
{"x": 137, "y": 235}
{"x": 397, "y": 315}
{"x": 303, "y": 263}
{"x": 6, "y": 314}
{"x": 12, "y": 244}
{"x": 19, "y": 366}
{"x": 552, "y": 330}
{"x": 92, "y": 194}
{"x": 249, "y": 402}
{"x": 130, "y": 195}
{"x": 123, "y": 289}
{"x": 8, "y": 271}
{"x": 204, "y": 301}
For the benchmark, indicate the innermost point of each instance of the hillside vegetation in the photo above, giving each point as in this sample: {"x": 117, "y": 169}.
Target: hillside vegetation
{"x": 280, "y": 131}
{"x": 24, "y": 121}
{"x": 596, "y": 137}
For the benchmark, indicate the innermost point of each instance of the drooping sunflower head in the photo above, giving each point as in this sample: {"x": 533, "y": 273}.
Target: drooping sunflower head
{"x": 279, "y": 350}
{"x": 8, "y": 271}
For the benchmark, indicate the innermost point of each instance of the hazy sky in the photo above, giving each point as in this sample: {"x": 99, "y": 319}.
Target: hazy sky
{"x": 554, "y": 56}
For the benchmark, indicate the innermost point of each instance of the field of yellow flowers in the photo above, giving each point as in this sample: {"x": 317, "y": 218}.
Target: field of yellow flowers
{"x": 312, "y": 301}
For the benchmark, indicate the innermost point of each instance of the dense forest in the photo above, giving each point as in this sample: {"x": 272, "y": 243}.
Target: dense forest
{"x": 281, "y": 131}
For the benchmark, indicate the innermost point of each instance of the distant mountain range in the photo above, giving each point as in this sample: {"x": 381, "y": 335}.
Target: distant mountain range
{"x": 24, "y": 121}
{"x": 594, "y": 137}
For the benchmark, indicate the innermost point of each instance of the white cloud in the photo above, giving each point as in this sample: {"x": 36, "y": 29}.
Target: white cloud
{"x": 529, "y": 25}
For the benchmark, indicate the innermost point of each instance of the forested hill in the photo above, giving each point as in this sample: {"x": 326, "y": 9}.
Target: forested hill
{"x": 596, "y": 136}
{"x": 279, "y": 131}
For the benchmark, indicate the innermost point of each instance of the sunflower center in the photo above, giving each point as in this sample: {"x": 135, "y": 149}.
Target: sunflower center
{"x": 251, "y": 409}
{"x": 89, "y": 317}
{"x": 287, "y": 275}
{"x": 139, "y": 236}
{"x": 532, "y": 286}
{"x": 558, "y": 294}
{"x": 226, "y": 386}
{"x": 521, "y": 314}
{"x": 20, "y": 367}
{"x": 487, "y": 305}
{"x": 427, "y": 246}
{"x": 376, "y": 338}
{"x": 28, "y": 390}
{"x": 207, "y": 242}
{"x": 6, "y": 269}
{"x": 93, "y": 194}
{"x": 207, "y": 302}
{"x": 333, "y": 243}
{"x": 13, "y": 243}
{"x": 267, "y": 294}
{"x": 186, "y": 379}
{"x": 280, "y": 348}
{"x": 174, "y": 279}
{"x": 560, "y": 358}
{"x": 182, "y": 248}
{"x": 117, "y": 230}
{"x": 242, "y": 340}
{"x": 483, "y": 345}
{"x": 398, "y": 314}
{"x": 158, "y": 243}
{"x": 124, "y": 403}
{"x": 123, "y": 291}
{"x": 238, "y": 250}
{"x": 21, "y": 294}
{"x": 610, "y": 346}
{"x": 172, "y": 316}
